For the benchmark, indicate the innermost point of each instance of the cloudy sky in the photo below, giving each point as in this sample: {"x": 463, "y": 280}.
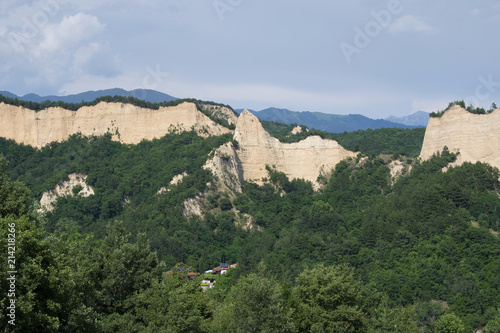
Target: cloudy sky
{"x": 376, "y": 58}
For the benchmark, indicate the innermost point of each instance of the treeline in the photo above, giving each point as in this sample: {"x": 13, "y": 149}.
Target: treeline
{"x": 35, "y": 106}
{"x": 470, "y": 108}
{"x": 390, "y": 141}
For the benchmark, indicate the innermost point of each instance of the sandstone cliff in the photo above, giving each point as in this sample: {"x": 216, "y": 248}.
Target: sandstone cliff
{"x": 131, "y": 122}
{"x": 66, "y": 189}
{"x": 226, "y": 167}
{"x": 305, "y": 159}
{"x": 476, "y": 137}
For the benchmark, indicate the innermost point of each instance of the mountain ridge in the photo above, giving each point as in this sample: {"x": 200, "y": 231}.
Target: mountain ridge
{"x": 419, "y": 118}
{"x": 147, "y": 95}
{"x": 333, "y": 123}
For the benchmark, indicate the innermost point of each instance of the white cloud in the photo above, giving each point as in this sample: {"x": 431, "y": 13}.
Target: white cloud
{"x": 71, "y": 30}
{"x": 409, "y": 23}
{"x": 95, "y": 58}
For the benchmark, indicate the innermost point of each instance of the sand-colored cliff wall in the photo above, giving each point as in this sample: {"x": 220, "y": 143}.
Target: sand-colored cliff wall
{"x": 132, "y": 123}
{"x": 305, "y": 159}
{"x": 477, "y": 137}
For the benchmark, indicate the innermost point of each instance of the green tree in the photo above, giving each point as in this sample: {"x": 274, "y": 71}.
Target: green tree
{"x": 493, "y": 325}
{"x": 42, "y": 288}
{"x": 123, "y": 269}
{"x": 173, "y": 304}
{"x": 329, "y": 299}
{"x": 406, "y": 320}
{"x": 254, "y": 304}
{"x": 449, "y": 323}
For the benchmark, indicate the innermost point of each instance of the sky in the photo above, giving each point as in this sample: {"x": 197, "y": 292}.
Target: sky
{"x": 369, "y": 57}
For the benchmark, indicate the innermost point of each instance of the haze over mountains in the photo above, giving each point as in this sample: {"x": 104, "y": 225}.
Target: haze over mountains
{"x": 336, "y": 123}
{"x": 315, "y": 120}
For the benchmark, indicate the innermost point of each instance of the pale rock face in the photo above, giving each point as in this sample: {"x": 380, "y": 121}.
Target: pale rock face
{"x": 176, "y": 180}
{"x": 476, "y": 137}
{"x": 297, "y": 130}
{"x": 397, "y": 169}
{"x": 192, "y": 206}
{"x": 66, "y": 189}
{"x": 226, "y": 166}
{"x": 131, "y": 122}
{"x": 305, "y": 159}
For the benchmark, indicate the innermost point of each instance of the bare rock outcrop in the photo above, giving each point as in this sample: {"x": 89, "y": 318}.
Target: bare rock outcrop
{"x": 175, "y": 181}
{"x": 226, "y": 167}
{"x": 476, "y": 137}
{"x": 129, "y": 123}
{"x": 305, "y": 159}
{"x": 193, "y": 206}
{"x": 297, "y": 130}
{"x": 397, "y": 169}
{"x": 66, "y": 189}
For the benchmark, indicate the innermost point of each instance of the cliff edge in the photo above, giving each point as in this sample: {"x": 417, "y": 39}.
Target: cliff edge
{"x": 476, "y": 137}
{"x": 305, "y": 159}
{"x": 131, "y": 122}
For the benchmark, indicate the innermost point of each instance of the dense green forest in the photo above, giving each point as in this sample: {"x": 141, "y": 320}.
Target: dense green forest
{"x": 363, "y": 254}
{"x": 391, "y": 141}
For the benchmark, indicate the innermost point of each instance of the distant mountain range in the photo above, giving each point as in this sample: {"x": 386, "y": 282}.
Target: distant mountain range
{"x": 339, "y": 123}
{"x": 152, "y": 96}
{"x": 322, "y": 121}
{"x": 419, "y": 118}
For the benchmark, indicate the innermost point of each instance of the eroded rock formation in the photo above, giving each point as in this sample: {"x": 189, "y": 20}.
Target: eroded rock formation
{"x": 66, "y": 189}
{"x": 226, "y": 167}
{"x": 128, "y": 123}
{"x": 476, "y": 137}
{"x": 306, "y": 159}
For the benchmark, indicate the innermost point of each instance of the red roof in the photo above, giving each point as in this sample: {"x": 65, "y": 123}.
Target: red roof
{"x": 222, "y": 267}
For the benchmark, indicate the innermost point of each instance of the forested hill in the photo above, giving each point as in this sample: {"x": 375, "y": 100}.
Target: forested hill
{"x": 326, "y": 122}
{"x": 367, "y": 252}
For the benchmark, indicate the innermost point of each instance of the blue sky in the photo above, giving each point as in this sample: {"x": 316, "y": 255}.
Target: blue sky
{"x": 376, "y": 58}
